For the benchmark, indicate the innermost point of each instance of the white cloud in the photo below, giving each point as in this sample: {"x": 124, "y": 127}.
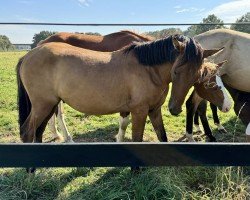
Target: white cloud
{"x": 230, "y": 11}
{"x": 191, "y": 9}
{"x": 84, "y": 3}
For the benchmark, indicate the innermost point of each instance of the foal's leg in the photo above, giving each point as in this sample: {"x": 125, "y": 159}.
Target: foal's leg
{"x": 196, "y": 122}
{"x": 202, "y": 110}
{"x": 190, "y": 110}
{"x": 62, "y": 124}
{"x": 216, "y": 118}
{"x": 157, "y": 122}
{"x": 123, "y": 124}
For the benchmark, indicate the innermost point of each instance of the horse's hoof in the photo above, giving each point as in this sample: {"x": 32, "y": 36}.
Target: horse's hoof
{"x": 212, "y": 139}
{"x": 30, "y": 170}
{"x": 222, "y": 130}
{"x": 135, "y": 170}
{"x": 69, "y": 140}
{"x": 58, "y": 138}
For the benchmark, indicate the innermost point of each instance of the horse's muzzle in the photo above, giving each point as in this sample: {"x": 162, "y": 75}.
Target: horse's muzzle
{"x": 175, "y": 111}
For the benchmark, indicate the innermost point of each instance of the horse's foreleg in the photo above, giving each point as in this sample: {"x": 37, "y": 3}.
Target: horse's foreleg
{"x": 202, "y": 109}
{"x": 62, "y": 124}
{"x": 123, "y": 124}
{"x": 216, "y": 118}
{"x": 138, "y": 124}
{"x": 157, "y": 122}
{"x": 190, "y": 110}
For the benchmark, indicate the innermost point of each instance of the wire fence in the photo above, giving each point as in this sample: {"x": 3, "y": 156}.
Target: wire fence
{"x": 118, "y": 24}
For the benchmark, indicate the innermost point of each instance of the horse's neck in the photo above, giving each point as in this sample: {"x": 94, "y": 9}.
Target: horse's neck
{"x": 160, "y": 75}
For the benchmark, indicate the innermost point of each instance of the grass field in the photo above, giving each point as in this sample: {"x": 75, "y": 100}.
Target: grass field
{"x": 115, "y": 183}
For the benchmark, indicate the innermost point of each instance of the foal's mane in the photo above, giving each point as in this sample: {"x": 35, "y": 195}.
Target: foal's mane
{"x": 160, "y": 51}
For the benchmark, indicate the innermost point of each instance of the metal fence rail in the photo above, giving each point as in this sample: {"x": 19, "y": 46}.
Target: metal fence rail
{"x": 118, "y": 24}
{"x": 124, "y": 154}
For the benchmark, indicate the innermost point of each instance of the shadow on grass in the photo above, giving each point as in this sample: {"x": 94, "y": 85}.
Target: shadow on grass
{"x": 106, "y": 134}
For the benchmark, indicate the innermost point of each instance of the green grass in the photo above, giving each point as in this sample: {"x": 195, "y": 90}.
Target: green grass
{"x": 115, "y": 183}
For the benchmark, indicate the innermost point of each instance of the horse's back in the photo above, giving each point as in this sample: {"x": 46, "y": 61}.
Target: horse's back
{"x": 237, "y": 71}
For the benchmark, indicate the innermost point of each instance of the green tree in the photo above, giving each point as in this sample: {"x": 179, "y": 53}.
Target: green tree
{"x": 209, "y": 19}
{"x": 242, "y": 28}
{"x": 191, "y": 31}
{"x": 40, "y": 36}
{"x": 5, "y": 44}
{"x": 197, "y": 29}
{"x": 92, "y": 33}
{"x": 164, "y": 32}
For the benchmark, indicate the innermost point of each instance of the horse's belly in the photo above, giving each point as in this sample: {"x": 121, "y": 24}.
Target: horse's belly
{"x": 97, "y": 104}
{"x": 239, "y": 79}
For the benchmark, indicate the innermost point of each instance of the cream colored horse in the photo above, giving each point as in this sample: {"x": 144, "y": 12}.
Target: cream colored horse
{"x": 236, "y": 72}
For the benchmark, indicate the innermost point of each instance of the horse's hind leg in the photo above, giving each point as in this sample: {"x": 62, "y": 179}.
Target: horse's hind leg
{"x": 216, "y": 118}
{"x": 123, "y": 124}
{"x": 41, "y": 128}
{"x": 62, "y": 124}
{"x": 39, "y": 112}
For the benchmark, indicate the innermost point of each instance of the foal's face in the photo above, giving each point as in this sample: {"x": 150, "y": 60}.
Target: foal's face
{"x": 214, "y": 91}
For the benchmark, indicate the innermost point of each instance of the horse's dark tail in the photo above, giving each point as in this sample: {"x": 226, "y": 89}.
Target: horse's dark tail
{"x": 24, "y": 105}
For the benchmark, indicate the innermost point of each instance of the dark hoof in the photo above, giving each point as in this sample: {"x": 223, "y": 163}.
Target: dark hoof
{"x": 135, "y": 170}
{"x": 31, "y": 170}
{"x": 212, "y": 139}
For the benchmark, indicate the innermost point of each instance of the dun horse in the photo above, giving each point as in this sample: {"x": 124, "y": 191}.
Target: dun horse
{"x": 109, "y": 42}
{"x": 140, "y": 73}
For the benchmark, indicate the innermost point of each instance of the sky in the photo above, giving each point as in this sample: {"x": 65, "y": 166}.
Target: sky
{"x": 110, "y": 11}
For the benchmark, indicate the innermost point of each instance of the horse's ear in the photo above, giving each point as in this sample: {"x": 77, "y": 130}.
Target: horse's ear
{"x": 210, "y": 52}
{"x": 221, "y": 64}
{"x": 178, "y": 45}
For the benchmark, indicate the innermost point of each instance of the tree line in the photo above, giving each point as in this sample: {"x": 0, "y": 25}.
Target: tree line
{"x": 5, "y": 44}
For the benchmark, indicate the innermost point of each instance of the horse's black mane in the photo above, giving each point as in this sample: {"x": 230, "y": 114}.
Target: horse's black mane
{"x": 163, "y": 50}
